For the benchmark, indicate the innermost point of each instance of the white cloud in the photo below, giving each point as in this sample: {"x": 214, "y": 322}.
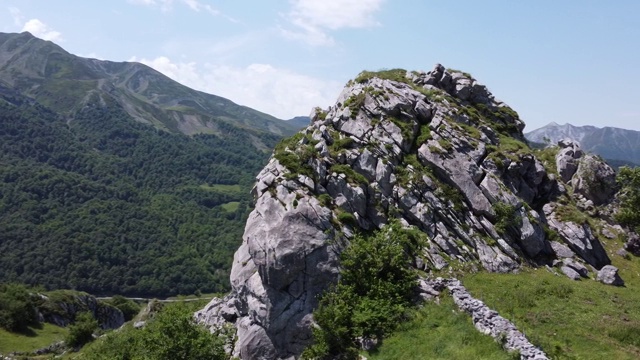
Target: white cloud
{"x": 167, "y": 5}
{"x": 16, "y": 14}
{"x": 275, "y": 91}
{"x": 336, "y": 14}
{"x": 39, "y": 29}
{"x": 312, "y": 18}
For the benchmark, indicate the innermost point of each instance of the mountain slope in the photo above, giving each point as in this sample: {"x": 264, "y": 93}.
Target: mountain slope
{"x": 64, "y": 82}
{"x": 434, "y": 151}
{"x": 95, "y": 198}
{"x": 609, "y": 142}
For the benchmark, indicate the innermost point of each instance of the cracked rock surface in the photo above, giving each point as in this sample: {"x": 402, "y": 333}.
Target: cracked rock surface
{"x": 434, "y": 149}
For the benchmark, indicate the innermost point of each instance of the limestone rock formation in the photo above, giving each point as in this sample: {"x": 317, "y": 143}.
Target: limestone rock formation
{"x": 436, "y": 150}
{"x": 62, "y": 312}
{"x": 609, "y": 275}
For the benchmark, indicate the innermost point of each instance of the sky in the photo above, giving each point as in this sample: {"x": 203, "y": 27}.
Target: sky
{"x": 570, "y": 61}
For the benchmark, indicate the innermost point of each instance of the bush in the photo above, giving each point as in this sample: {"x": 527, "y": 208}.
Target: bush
{"x": 371, "y": 297}
{"x": 17, "y": 308}
{"x": 628, "y": 215}
{"x": 81, "y": 332}
{"x": 171, "y": 334}
{"x": 505, "y": 216}
{"x": 128, "y": 307}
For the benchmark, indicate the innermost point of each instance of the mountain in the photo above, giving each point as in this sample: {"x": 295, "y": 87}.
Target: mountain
{"x": 407, "y": 177}
{"x": 299, "y": 121}
{"x": 618, "y": 145}
{"x": 115, "y": 179}
{"x": 63, "y": 82}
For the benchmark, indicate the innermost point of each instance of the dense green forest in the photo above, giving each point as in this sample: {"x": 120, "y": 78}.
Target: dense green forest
{"x": 104, "y": 204}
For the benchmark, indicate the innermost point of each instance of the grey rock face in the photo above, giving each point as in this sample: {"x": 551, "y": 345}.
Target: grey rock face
{"x": 595, "y": 180}
{"x": 579, "y": 238}
{"x": 63, "y": 313}
{"x": 567, "y": 159}
{"x": 425, "y": 152}
{"x": 609, "y": 275}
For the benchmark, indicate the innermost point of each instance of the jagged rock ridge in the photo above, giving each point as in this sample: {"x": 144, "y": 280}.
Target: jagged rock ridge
{"x": 435, "y": 150}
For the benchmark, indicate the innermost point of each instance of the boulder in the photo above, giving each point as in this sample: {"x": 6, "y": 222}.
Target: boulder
{"x": 609, "y": 275}
{"x": 595, "y": 180}
{"x": 570, "y": 272}
{"x": 567, "y": 159}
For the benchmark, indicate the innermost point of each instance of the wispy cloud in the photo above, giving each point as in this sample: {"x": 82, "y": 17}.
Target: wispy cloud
{"x": 39, "y": 29}
{"x": 195, "y": 5}
{"x": 280, "y": 92}
{"x": 313, "y": 19}
{"x": 16, "y": 14}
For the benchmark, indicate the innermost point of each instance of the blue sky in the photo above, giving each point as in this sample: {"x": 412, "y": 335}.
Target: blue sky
{"x": 573, "y": 61}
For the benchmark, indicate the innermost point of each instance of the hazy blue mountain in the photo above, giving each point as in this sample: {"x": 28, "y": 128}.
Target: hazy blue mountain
{"x": 622, "y": 146}
{"x": 299, "y": 122}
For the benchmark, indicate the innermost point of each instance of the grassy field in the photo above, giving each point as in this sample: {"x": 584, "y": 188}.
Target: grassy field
{"x": 223, "y": 188}
{"x": 37, "y": 338}
{"x": 231, "y": 206}
{"x": 439, "y": 332}
{"x": 569, "y": 319}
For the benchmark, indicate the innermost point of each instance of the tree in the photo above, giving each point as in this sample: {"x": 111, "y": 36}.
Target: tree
{"x": 17, "y": 307}
{"x": 628, "y": 215}
{"x": 372, "y": 295}
{"x": 81, "y": 331}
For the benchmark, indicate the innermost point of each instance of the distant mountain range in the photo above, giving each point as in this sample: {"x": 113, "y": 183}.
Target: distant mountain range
{"x": 64, "y": 82}
{"x": 299, "y": 121}
{"x": 618, "y": 146}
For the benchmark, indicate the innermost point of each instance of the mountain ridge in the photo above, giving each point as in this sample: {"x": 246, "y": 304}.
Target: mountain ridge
{"x": 40, "y": 69}
{"x": 609, "y": 142}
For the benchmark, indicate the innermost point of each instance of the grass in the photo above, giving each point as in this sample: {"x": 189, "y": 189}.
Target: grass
{"x": 438, "y": 332}
{"x": 231, "y": 206}
{"x": 223, "y": 188}
{"x": 37, "y": 338}
{"x": 568, "y": 319}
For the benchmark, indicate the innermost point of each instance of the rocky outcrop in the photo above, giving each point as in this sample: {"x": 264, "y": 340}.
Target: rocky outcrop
{"x": 62, "y": 310}
{"x": 435, "y": 150}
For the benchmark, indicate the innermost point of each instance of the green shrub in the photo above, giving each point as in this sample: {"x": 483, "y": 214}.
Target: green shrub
{"x": 629, "y": 180}
{"x": 325, "y": 199}
{"x": 505, "y": 216}
{"x": 128, "y": 307}
{"x": 81, "y": 331}
{"x": 346, "y": 218}
{"x": 352, "y": 176}
{"x": 171, "y": 334}
{"x": 371, "y": 297}
{"x": 17, "y": 308}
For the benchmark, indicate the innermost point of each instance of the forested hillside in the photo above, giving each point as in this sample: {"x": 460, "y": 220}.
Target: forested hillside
{"x": 105, "y": 204}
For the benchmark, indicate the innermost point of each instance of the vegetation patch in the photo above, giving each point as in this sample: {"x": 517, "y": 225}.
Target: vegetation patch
{"x": 552, "y": 310}
{"x": 505, "y": 216}
{"x": 439, "y": 331}
{"x": 372, "y": 296}
{"x": 629, "y": 180}
{"x": 170, "y": 334}
{"x": 399, "y": 75}
{"x": 353, "y": 177}
{"x": 231, "y": 206}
